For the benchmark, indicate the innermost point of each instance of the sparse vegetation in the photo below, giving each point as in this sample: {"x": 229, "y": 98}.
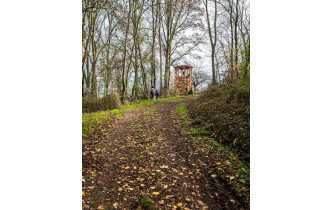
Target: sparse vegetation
{"x": 150, "y": 112}
{"x": 147, "y": 203}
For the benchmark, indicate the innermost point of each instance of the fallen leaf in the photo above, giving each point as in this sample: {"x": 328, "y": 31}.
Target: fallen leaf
{"x": 156, "y": 193}
{"x": 83, "y": 193}
{"x": 214, "y": 176}
{"x": 115, "y": 204}
{"x": 153, "y": 188}
{"x": 188, "y": 199}
{"x": 218, "y": 163}
{"x": 179, "y": 204}
{"x": 101, "y": 207}
{"x": 120, "y": 189}
{"x": 165, "y": 186}
{"x": 200, "y": 202}
{"x": 161, "y": 202}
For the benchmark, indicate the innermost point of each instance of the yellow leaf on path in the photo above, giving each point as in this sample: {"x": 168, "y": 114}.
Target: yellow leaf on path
{"x": 200, "y": 202}
{"x": 214, "y": 176}
{"x": 179, "y": 204}
{"x": 218, "y": 163}
{"x": 98, "y": 150}
{"x": 163, "y": 166}
{"x": 120, "y": 189}
{"x": 142, "y": 185}
{"x": 153, "y": 188}
{"x": 227, "y": 162}
{"x": 188, "y": 199}
{"x": 83, "y": 193}
{"x": 165, "y": 186}
{"x": 185, "y": 208}
{"x": 156, "y": 193}
{"x": 169, "y": 196}
{"x": 100, "y": 207}
{"x": 181, "y": 174}
{"x": 131, "y": 189}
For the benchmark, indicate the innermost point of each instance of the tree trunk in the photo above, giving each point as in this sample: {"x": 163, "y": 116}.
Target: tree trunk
{"x": 124, "y": 83}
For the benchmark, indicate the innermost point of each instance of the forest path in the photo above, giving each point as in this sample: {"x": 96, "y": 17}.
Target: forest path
{"x": 143, "y": 153}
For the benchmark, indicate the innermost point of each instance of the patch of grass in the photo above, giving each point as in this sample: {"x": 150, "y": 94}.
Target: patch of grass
{"x": 199, "y": 132}
{"x": 89, "y": 120}
{"x": 147, "y": 203}
{"x": 150, "y": 112}
{"x": 182, "y": 111}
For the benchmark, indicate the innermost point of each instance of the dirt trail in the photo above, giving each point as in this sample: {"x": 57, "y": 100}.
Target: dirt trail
{"x": 143, "y": 153}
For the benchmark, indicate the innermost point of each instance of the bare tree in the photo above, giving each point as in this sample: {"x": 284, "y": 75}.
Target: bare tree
{"x": 212, "y": 36}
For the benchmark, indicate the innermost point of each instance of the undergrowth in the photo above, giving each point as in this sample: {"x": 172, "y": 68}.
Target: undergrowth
{"x": 225, "y": 111}
{"x": 227, "y": 165}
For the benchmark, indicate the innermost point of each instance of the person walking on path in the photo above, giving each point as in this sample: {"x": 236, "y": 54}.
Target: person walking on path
{"x": 157, "y": 93}
{"x": 152, "y": 92}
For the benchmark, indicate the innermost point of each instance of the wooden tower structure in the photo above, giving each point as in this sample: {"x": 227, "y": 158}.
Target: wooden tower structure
{"x": 183, "y": 78}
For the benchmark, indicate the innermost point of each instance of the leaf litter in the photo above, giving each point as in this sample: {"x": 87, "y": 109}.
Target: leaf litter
{"x": 136, "y": 155}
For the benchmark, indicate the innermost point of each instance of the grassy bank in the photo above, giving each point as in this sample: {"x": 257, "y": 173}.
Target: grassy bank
{"x": 224, "y": 164}
{"x": 225, "y": 111}
{"x": 89, "y": 120}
